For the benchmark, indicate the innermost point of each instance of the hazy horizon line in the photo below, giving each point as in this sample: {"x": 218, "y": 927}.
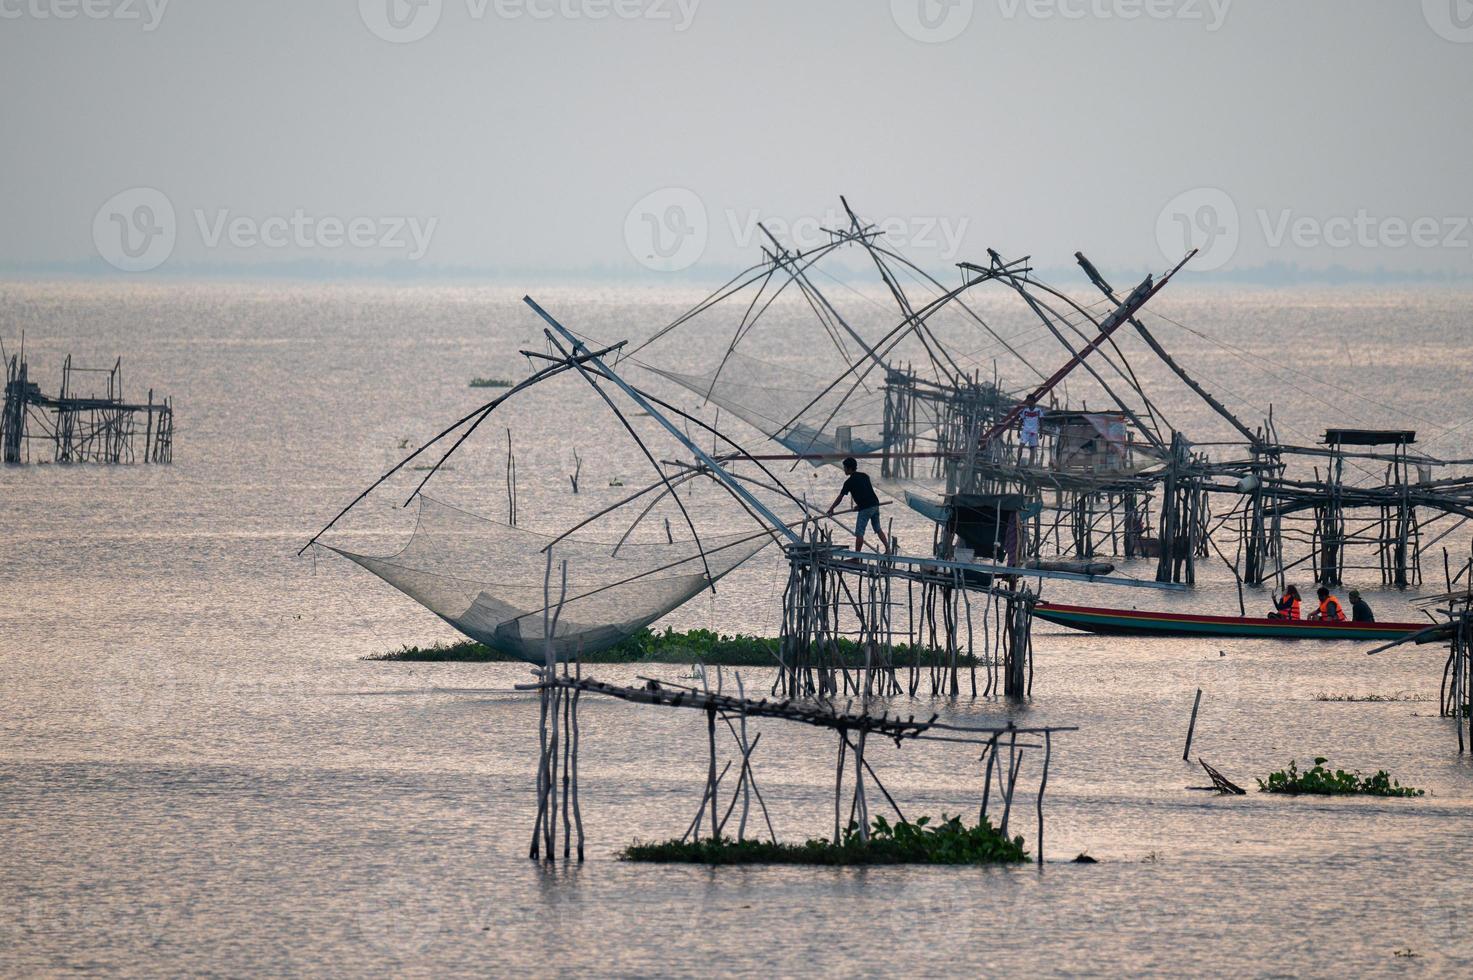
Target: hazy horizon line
{"x": 1266, "y": 274}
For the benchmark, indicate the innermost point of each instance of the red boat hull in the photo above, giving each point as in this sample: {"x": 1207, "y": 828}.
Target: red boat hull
{"x": 1134, "y": 622}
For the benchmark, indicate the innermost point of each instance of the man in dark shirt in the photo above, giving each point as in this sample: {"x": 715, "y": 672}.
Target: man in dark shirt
{"x": 862, "y": 493}
{"x": 1360, "y": 610}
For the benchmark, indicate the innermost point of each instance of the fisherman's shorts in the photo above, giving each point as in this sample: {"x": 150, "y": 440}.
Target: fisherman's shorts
{"x": 870, "y": 515}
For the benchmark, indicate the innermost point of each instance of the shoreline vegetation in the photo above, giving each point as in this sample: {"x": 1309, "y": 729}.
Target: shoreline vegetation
{"x": 948, "y": 842}
{"x": 663, "y": 647}
{"x": 1320, "y": 781}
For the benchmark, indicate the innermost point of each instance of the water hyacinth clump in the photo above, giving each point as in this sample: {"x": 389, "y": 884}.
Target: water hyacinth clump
{"x": 1324, "y": 782}
{"x": 920, "y": 842}
{"x": 671, "y": 646}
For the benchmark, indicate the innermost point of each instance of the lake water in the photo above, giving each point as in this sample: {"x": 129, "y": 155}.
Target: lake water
{"x": 200, "y": 774}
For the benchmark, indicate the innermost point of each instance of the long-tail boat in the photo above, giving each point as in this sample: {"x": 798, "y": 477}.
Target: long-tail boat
{"x": 1145, "y": 622}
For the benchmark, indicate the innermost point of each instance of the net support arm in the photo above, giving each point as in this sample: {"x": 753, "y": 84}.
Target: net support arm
{"x": 1044, "y": 313}
{"x": 593, "y": 383}
{"x": 1137, "y": 299}
{"x": 1155, "y": 345}
{"x": 579, "y": 349}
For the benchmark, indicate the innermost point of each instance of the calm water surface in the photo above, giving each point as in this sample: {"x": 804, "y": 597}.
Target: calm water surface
{"x": 199, "y": 773}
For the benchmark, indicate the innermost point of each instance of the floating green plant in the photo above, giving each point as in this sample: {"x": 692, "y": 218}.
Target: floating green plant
{"x": 920, "y": 842}
{"x": 1324, "y": 782}
{"x": 491, "y": 383}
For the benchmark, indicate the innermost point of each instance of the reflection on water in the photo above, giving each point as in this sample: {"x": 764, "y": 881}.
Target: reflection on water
{"x": 199, "y": 774}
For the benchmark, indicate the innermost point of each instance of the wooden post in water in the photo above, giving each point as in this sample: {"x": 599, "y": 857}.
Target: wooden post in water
{"x": 1166, "y": 565}
{"x": 1192, "y": 726}
{"x": 711, "y": 769}
{"x": 1018, "y": 642}
{"x": 13, "y": 422}
{"x": 148, "y": 431}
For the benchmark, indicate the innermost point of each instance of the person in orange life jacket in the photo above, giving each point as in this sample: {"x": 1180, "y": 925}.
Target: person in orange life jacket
{"x": 1330, "y": 610}
{"x": 1286, "y": 606}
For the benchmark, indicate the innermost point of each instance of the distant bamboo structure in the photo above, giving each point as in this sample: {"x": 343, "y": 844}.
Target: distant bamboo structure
{"x": 92, "y": 426}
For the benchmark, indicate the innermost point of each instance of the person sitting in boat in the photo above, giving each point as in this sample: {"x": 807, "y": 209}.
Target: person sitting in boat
{"x": 862, "y": 493}
{"x": 1360, "y": 610}
{"x": 1286, "y": 606}
{"x": 1330, "y": 610}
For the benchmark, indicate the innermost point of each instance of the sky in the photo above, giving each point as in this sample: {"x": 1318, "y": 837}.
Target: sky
{"x": 650, "y": 138}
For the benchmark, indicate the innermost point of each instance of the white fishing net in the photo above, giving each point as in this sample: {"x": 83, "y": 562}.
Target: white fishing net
{"x": 793, "y": 407}
{"x": 487, "y": 580}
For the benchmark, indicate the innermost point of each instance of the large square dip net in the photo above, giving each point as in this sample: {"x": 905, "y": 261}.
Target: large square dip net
{"x": 493, "y": 582}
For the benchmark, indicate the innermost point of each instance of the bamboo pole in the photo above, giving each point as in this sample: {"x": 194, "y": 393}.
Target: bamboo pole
{"x": 1048, "y": 751}
{"x": 711, "y": 771}
{"x": 1192, "y": 726}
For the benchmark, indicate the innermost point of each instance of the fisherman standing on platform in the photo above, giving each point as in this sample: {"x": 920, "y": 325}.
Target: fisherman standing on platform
{"x": 1330, "y": 610}
{"x": 1030, "y": 424}
{"x": 862, "y": 493}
